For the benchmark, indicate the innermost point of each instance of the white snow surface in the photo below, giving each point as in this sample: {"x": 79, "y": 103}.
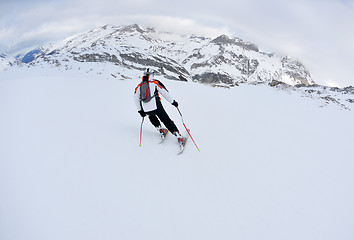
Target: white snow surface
{"x": 272, "y": 165}
{"x": 4, "y": 63}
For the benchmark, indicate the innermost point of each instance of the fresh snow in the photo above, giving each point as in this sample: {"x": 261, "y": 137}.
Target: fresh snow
{"x": 4, "y": 63}
{"x": 272, "y": 165}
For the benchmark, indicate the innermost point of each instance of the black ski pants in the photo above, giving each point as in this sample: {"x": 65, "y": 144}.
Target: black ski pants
{"x": 163, "y": 116}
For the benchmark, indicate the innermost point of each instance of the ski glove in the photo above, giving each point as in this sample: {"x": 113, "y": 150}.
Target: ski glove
{"x": 142, "y": 113}
{"x": 175, "y": 103}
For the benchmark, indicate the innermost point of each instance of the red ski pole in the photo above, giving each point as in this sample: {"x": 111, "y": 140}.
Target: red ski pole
{"x": 141, "y": 130}
{"x": 187, "y": 129}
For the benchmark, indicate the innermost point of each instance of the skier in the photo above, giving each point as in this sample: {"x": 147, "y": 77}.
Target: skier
{"x": 148, "y": 102}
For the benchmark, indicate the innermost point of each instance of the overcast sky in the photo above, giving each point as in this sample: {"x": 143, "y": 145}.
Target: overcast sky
{"x": 320, "y": 33}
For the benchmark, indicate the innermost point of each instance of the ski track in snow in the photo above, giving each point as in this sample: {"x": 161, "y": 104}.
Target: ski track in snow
{"x": 272, "y": 165}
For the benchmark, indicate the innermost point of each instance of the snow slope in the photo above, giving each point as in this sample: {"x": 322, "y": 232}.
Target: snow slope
{"x": 272, "y": 165}
{"x": 4, "y": 62}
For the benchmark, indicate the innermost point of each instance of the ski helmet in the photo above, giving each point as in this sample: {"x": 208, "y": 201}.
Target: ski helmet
{"x": 147, "y": 72}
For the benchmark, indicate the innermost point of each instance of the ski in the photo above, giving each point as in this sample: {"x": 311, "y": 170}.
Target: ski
{"x": 183, "y": 144}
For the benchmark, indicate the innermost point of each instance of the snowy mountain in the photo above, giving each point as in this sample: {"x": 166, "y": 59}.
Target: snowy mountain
{"x": 30, "y": 56}
{"x": 222, "y": 60}
{"x": 272, "y": 163}
{"x": 123, "y": 52}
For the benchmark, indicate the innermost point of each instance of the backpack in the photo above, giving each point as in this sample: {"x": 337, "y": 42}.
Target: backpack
{"x": 145, "y": 94}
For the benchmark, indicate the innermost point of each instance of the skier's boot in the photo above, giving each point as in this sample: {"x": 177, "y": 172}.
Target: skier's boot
{"x": 163, "y": 132}
{"x": 180, "y": 139}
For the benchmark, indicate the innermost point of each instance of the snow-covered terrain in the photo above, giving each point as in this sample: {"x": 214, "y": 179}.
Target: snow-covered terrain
{"x": 272, "y": 165}
{"x": 4, "y": 62}
{"x": 122, "y": 52}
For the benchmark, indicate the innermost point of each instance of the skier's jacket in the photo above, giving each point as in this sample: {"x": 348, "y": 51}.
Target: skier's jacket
{"x": 156, "y": 88}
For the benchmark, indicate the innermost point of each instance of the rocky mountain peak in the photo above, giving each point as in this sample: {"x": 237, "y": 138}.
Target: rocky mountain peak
{"x": 131, "y": 28}
{"x": 223, "y": 40}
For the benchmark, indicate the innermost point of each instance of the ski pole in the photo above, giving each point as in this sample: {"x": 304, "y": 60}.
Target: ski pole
{"x": 141, "y": 130}
{"x": 187, "y": 129}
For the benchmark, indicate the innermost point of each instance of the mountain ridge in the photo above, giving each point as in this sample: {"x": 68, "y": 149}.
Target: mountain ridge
{"x": 125, "y": 51}
{"x": 222, "y": 60}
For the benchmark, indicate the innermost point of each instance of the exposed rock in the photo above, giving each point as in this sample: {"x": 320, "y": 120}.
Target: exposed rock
{"x": 213, "y": 78}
